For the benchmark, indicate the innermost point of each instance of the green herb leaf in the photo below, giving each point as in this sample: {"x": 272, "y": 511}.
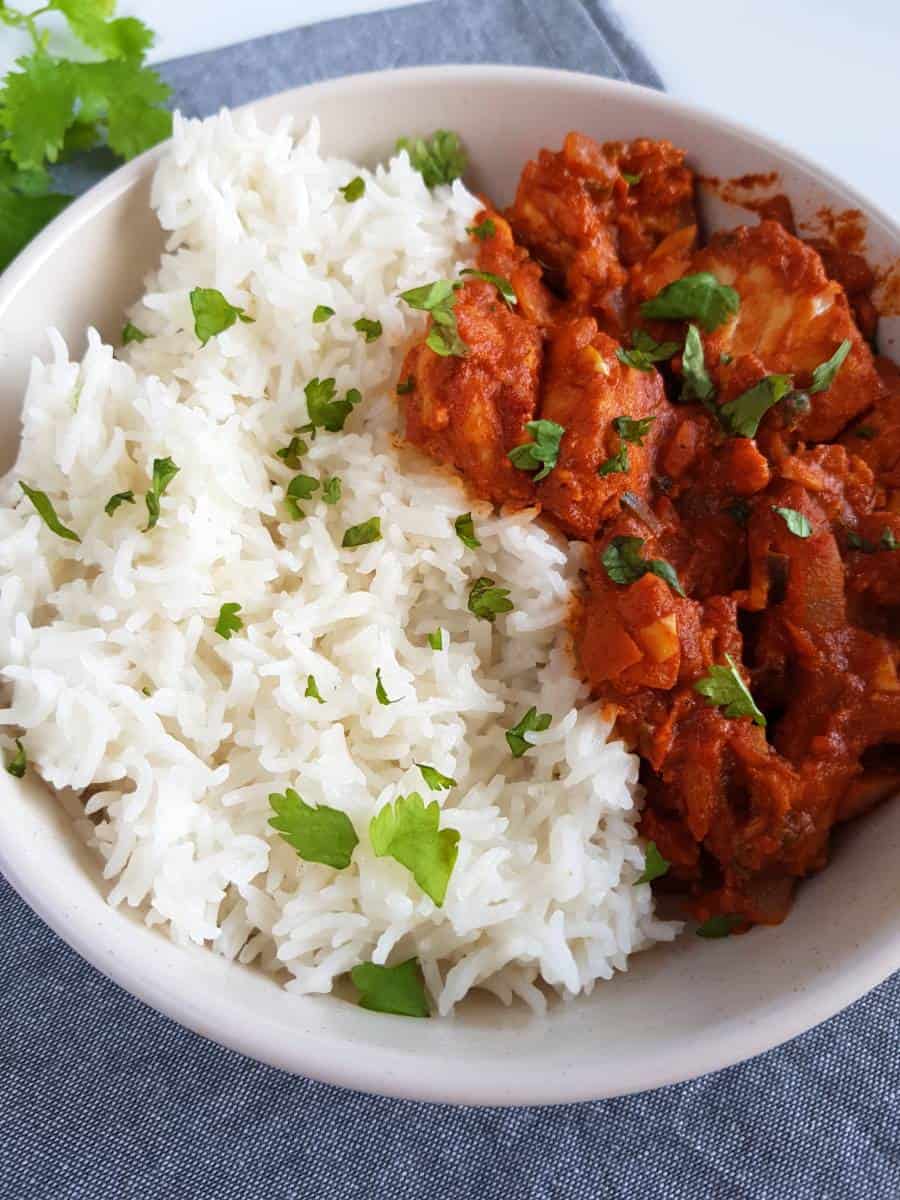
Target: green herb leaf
{"x": 633, "y": 431}
{"x": 438, "y": 159}
{"x": 655, "y": 866}
{"x": 117, "y": 501}
{"x": 623, "y": 563}
{"x": 126, "y": 96}
{"x": 213, "y": 314}
{"x": 43, "y": 506}
{"x": 436, "y": 640}
{"x": 542, "y": 452}
{"x": 131, "y": 333}
{"x": 720, "y": 925}
{"x": 645, "y": 351}
{"x": 397, "y": 990}
{"x": 823, "y": 375}
{"x": 632, "y": 180}
{"x": 354, "y": 190}
{"x": 483, "y": 230}
{"x": 332, "y": 490}
{"x": 406, "y": 386}
{"x": 486, "y": 601}
{"x": 435, "y": 780}
{"x": 229, "y": 622}
{"x": 866, "y": 432}
{"x": 795, "y": 521}
{"x": 445, "y": 341}
{"x": 532, "y": 722}
{"x": 503, "y": 286}
{"x": 698, "y": 298}
{"x": 363, "y": 534}
{"x": 742, "y": 415}
{"x": 312, "y": 690}
{"x": 321, "y": 835}
{"x": 697, "y": 383}
{"x": 164, "y": 471}
{"x": 888, "y": 541}
{"x": 36, "y": 108}
{"x": 371, "y": 330}
{"x": 301, "y": 487}
{"x": 407, "y": 831}
{"x": 724, "y": 688}
{"x": 380, "y": 694}
{"x": 125, "y": 37}
{"x": 465, "y": 531}
{"x": 18, "y": 764}
{"x": 21, "y": 217}
{"x": 439, "y": 298}
{"x": 321, "y": 314}
{"x": 291, "y": 454}
{"x": 615, "y": 465}
{"x": 324, "y": 411}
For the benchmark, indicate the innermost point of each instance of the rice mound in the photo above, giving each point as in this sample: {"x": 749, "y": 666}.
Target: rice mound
{"x": 172, "y": 738}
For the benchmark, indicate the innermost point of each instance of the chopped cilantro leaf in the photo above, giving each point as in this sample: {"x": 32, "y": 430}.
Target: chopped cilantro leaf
{"x": 312, "y": 690}
{"x": 435, "y": 780}
{"x": 823, "y": 375}
{"x": 632, "y": 180}
{"x": 542, "y": 452}
{"x": 43, "y": 506}
{"x": 332, "y": 490}
{"x": 324, "y": 411}
{"x": 742, "y": 415}
{"x": 406, "y": 386}
{"x": 503, "y": 286}
{"x": 354, "y": 190}
{"x": 438, "y": 299}
{"x": 436, "y": 640}
{"x": 645, "y": 351}
{"x": 698, "y": 298}
{"x": 866, "y": 432}
{"x": 483, "y": 230}
{"x": 532, "y": 722}
{"x": 164, "y": 471}
{"x": 291, "y": 454}
{"x": 615, "y": 465}
{"x": 655, "y": 866}
{"x": 795, "y": 521}
{"x": 398, "y": 990}
{"x": 888, "y": 541}
{"x": 697, "y": 383}
{"x": 633, "y": 431}
{"x": 321, "y": 314}
{"x": 363, "y": 534}
{"x": 380, "y": 694}
{"x": 408, "y": 831}
{"x": 17, "y": 765}
{"x": 213, "y": 314}
{"x": 623, "y": 564}
{"x": 117, "y": 501}
{"x": 301, "y": 487}
{"x": 723, "y": 687}
{"x": 371, "y": 330}
{"x": 465, "y": 531}
{"x": 438, "y": 159}
{"x": 486, "y": 601}
{"x": 320, "y": 835}
{"x": 131, "y": 333}
{"x": 229, "y": 622}
{"x": 720, "y": 925}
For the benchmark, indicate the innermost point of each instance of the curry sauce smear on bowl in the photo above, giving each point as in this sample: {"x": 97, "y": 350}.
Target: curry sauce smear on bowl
{"x": 711, "y": 417}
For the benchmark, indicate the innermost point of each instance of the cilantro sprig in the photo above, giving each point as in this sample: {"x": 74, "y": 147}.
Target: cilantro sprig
{"x": 409, "y": 832}
{"x": 439, "y": 299}
{"x": 541, "y": 452}
{"x": 623, "y": 562}
{"x": 724, "y": 688}
{"x": 699, "y": 298}
{"x": 645, "y": 351}
{"x": 438, "y": 159}
{"x": 321, "y": 835}
{"x": 398, "y": 990}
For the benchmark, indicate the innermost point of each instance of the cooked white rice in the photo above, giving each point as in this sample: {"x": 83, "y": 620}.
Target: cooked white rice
{"x": 122, "y": 686}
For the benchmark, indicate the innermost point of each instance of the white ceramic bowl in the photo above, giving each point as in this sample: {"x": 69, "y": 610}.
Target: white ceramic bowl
{"x": 681, "y": 1010}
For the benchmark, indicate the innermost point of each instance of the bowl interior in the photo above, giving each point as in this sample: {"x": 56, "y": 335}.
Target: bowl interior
{"x": 680, "y": 1010}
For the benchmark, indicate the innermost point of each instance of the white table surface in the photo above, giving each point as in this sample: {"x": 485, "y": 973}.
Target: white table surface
{"x": 821, "y": 75}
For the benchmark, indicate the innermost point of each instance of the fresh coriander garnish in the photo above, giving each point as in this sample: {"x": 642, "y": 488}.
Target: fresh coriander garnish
{"x": 321, "y": 314}
{"x": 371, "y": 330}
{"x": 483, "y": 230}
{"x": 724, "y": 688}
{"x": 823, "y": 375}
{"x": 720, "y": 925}
{"x": 18, "y": 764}
{"x": 742, "y": 415}
{"x": 698, "y": 298}
{"x": 43, "y": 506}
{"x": 312, "y": 690}
{"x": 503, "y": 286}
{"x": 795, "y": 521}
{"x": 645, "y": 351}
{"x": 697, "y": 383}
{"x": 324, "y": 411}
{"x": 436, "y": 640}
{"x": 438, "y": 159}
{"x": 542, "y": 452}
{"x": 332, "y": 489}
{"x": 532, "y": 722}
{"x": 117, "y": 501}
{"x": 380, "y": 693}
{"x": 486, "y": 601}
{"x": 321, "y": 835}
{"x": 229, "y": 623}
{"x": 633, "y": 431}
{"x": 213, "y": 314}
{"x": 438, "y": 299}
{"x": 291, "y": 454}
{"x": 725, "y": 359}
{"x": 866, "y": 432}
{"x": 465, "y": 531}
{"x": 354, "y": 190}
{"x": 632, "y": 180}
{"x": 616, "y": 464}
{"x": 301, "y": 487}
{"x": 623, "y": 564}
{"x": 164, "y": 471}
{"x": 131, "y": 333}
{"x": 435, "y": 780}
{"x": 398, "y": 990}
{"x": 406, "y": 386}
{"x": 363, "y": 534}
{"x": 655, "y": 866}
{"x": 408, "y": 831}
{"x": 887, "y": 541}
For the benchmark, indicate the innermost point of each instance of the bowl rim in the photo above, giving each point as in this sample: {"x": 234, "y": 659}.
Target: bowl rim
{"x": 378, "y": 1070}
